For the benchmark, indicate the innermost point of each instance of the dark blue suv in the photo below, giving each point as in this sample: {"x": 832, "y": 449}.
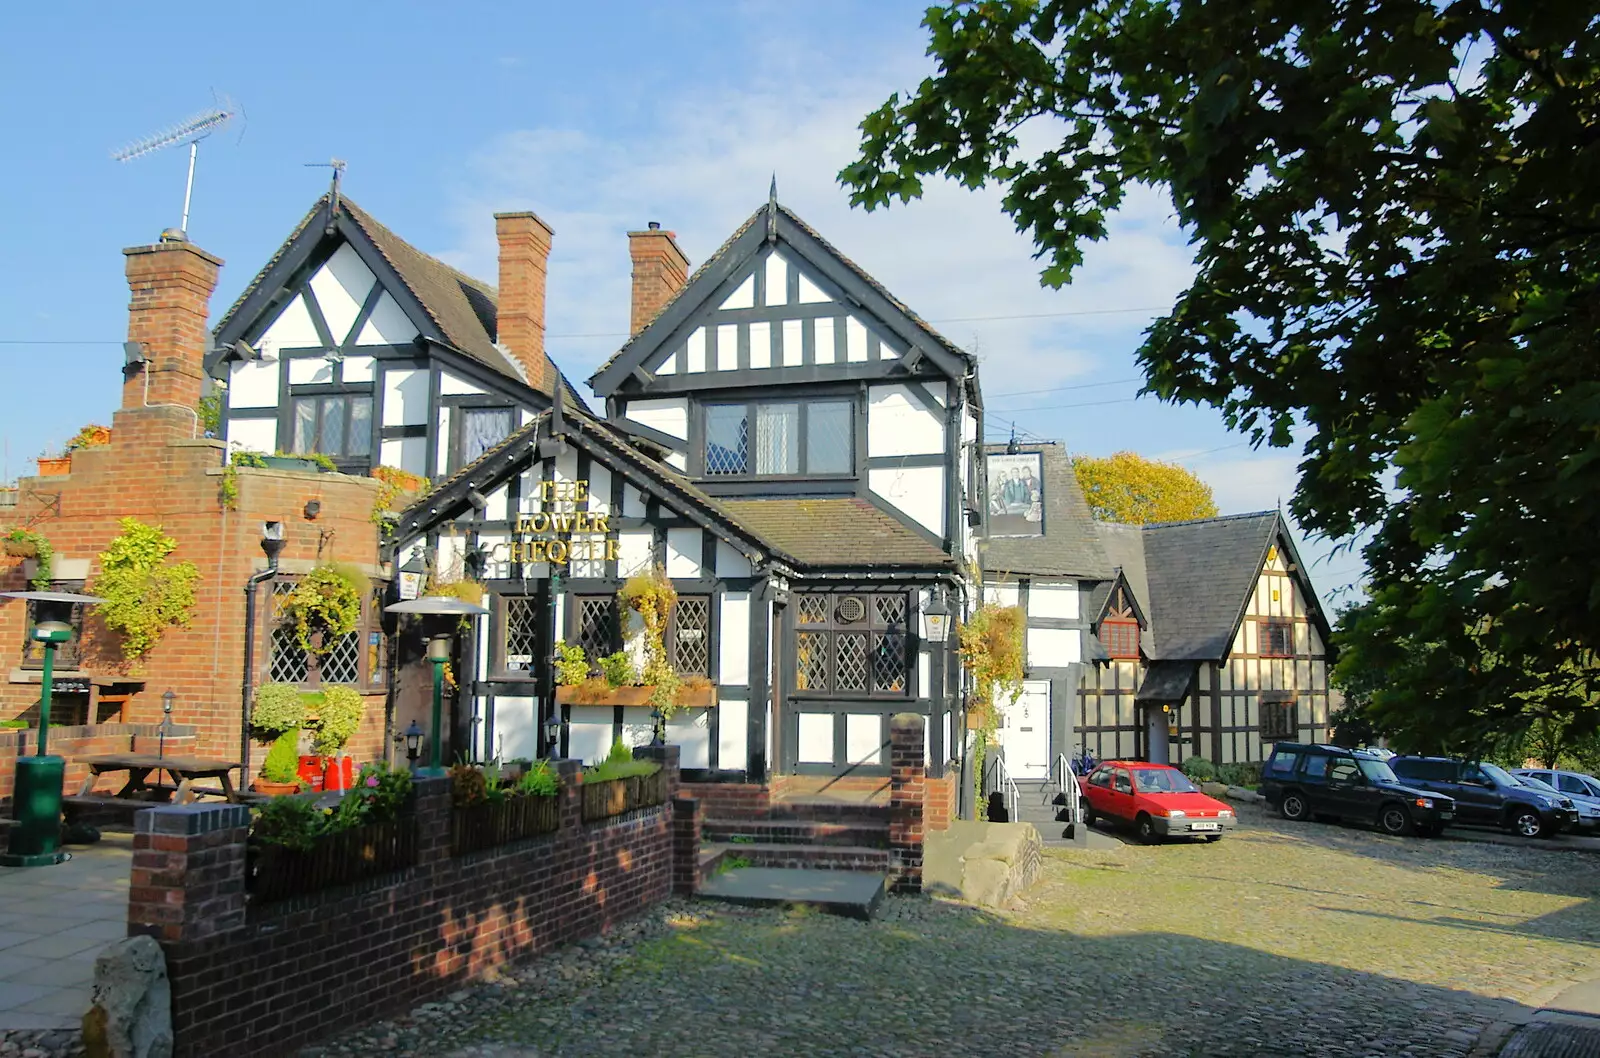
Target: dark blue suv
{"x": 1488, "y": 795}
{"x": 1315, "y": 781}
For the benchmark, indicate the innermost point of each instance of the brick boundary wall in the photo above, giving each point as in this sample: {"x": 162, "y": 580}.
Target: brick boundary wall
{"x": 73, "y": 741}
{"x": 265, "y": 980}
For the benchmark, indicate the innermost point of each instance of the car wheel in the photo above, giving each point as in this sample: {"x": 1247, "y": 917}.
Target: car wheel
{"x": 1394, "y": 819}
{"x": 1293, "y": 807}
{"x": 1088, "y": 815}
{"x": 1526, "y": 821}
{"x": 1145, "y": 828}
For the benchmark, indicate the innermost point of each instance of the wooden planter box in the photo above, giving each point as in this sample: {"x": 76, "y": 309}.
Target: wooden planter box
{"x": 487, "y": 825}
{"x": 278, "y": 873}
{"x": 687, "y": 699}
{"x": 55, "y": 468}
{"x": 602, "y": 800}
{"x": 291, "y": 463}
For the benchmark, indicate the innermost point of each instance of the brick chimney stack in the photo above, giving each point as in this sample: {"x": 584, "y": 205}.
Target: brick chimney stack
{"x": 524, "y": 265}
{"x": 171, "y": 284}
{"x": 660, "y": 270}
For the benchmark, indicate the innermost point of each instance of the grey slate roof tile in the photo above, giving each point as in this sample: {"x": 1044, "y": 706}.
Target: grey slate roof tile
{"x": 1070, "y": 547}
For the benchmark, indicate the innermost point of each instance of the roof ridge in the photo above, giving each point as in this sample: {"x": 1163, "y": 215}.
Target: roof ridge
{"x": 1207, "y": 521}
{"x": 363, "y": 217}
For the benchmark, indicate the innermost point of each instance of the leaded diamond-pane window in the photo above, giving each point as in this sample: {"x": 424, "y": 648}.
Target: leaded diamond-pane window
{"x": 289, "y": 662}
{"x": 359, "y": 657}
{"x": 811, "y": 653}
{"x": 853, "y": 643}
{"x": 342, "y": 664}
{"x": 521, "y": 632}
{"x": 851, "y": 674}
{"x": 727, "y": 439}
{"x": 597, "y": 625}
{"x": 691, "y": 635}
{"x": 813, "y": 609}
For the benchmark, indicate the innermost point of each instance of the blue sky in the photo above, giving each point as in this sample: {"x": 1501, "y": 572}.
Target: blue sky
{"x": 598, "y": 117}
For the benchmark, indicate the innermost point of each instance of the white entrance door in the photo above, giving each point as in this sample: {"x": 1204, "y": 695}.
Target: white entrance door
{"x": 1025, "y": 732}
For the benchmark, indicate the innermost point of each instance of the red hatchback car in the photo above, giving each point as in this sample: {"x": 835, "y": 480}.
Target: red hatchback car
{"x": 1156, "y": 800}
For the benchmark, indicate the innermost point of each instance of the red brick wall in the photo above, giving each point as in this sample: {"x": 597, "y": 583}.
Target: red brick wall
{"x": 730, "y": 800}
{"x": 77, "y": 741}
{"x": 940, "y": 807}
{"x": 248, "y": 981}
{"x": 524, "y": 263}
{"x": 176, "y": 485}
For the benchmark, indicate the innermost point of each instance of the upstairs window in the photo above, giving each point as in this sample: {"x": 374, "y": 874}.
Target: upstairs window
{"x": 478, "y": 430}
{"x": 1120, "y": 637}
{"x": 337, "y": 425}
{"x": 811, "y": 437}
{"x": 1277, "y": 639}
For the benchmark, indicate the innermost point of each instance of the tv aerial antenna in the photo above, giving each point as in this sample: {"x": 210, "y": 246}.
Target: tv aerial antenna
{"x": 189, "y": 132}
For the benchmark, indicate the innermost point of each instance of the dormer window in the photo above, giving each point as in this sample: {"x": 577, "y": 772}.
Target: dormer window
{"x": 793, "y": 438}
{"x": 1120, "y": 637}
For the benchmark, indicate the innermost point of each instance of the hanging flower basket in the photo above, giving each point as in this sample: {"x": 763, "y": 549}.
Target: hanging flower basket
{"x": 20, "y": 548}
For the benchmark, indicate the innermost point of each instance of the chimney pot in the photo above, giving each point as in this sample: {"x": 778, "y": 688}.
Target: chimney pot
{"x": 171, "y": 284}
{"x": 654, "y": 225}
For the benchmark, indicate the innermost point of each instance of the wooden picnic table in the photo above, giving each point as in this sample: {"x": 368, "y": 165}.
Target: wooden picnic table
{"x": 141, "y": 766}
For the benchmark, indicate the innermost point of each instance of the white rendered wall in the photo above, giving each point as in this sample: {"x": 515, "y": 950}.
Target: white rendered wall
{"x": 341, "y": 286}
{"x": 453, "y": 385}
{"x": 899, "y": 425}
{"x": 916, "y": 491}
{"x": 1057, "y": 601}
{"x": 257, "y": 435}
{"x": 388, "y": 325}
{"x": 405, "y": 397}
{"x": 253, "y": 383}
{"x": 671, "y": 417}
{"x": 734, "y": 648}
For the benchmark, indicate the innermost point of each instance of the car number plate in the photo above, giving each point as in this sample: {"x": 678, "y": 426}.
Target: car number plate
{"x": 1205, "y": 826}
{"x": 1447, "y": 815}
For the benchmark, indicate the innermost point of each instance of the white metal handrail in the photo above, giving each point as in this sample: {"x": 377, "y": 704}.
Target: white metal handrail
{"x": 1009, "y": 790}
{"x": 1069, "y": 788}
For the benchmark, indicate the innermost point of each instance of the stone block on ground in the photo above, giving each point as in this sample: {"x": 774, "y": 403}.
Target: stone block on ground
{"x": 131, "y": 1012}
{"x": 988, "y": 864}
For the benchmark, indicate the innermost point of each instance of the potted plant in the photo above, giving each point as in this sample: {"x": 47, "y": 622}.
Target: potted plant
{"x": 54, "y": 464}
{"x": 91, "y": 436}
{"x": 24, "y": 543}
{"x": 312, "y": 462}
{"x": 279, "y": 712}
{"x": 338, "y": 719}
{"x": 325, "y": 606}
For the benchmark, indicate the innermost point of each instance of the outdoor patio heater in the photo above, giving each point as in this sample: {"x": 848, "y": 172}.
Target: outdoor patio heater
{"x": 35, "y": 841}
{"x": 440, "y": 616}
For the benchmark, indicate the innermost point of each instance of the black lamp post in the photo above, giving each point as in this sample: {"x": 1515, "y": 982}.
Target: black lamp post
{"x": 440, "y": 613}
{"x": 413, "y": 737}
{"x": 936, "y": 618}
{"x": 166, "y": 722}
{"x": 36, "y": 839}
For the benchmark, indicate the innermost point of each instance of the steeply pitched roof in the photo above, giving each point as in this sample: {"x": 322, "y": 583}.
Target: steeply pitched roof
{"x": 1200, "y": 575}
{"x": 461, "y": 308}
{"x": 827, "y": 533}
{"x": 1069, "y": 547}
{"x": 800, "y": 233}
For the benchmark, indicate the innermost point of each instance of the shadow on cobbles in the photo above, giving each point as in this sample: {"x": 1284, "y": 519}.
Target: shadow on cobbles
{"x": 932, "y": 978}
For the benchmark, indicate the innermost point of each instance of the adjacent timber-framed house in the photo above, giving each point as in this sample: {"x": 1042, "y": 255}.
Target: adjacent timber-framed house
{"x": 353, "y": 344}
{"x": 796, "y": 450}
{"x": 1214, "y": 643}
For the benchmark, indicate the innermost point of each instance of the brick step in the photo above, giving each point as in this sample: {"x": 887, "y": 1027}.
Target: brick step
{"x": 823, "y": 810}
{"x": 816, "y": 857}
{"x": 871, "y": 833}
{"x": 706, "y": 863}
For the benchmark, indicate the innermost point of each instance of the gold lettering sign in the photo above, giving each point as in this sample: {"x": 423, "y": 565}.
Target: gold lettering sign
{"x": 563, "y": 529}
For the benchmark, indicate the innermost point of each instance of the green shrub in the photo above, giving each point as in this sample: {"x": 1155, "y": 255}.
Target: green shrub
{"x": 13, "y": 723}
{"x": 283, "y": 759}
{"x": 144, "y": 592}
{"x": 278, "y": 707}
{"x": 620, "y": 753}
{"x": 1248, "y": 775}
{"x": 619, "y": 669}
{"x": 1199, "y": 769}
{"x": 621, "y": 769}
{"x": 572, "y": 668}
{"x": 338, "y": 719}
{"x": 540, "y": 780}
{"x": 293, "y": 822}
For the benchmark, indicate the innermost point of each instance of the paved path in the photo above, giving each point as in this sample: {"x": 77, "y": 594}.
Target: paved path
{"x": 53, "y": 923}
{"x": 1281, "y": 940}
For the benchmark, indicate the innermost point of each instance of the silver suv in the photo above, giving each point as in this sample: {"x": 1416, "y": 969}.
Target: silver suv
{"x": 1583, "y": 789}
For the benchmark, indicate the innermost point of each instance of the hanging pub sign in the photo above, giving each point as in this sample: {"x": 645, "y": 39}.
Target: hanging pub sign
{"x": 562, "y": 529}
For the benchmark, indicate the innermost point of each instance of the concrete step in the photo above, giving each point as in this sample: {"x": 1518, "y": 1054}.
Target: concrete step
{"x": 709, "y": 861}
{"x": 824, "y": 810}
{"x": 819, "y": 857}
{"x": 855, "y": 894}
{"x": 872, "y": 833}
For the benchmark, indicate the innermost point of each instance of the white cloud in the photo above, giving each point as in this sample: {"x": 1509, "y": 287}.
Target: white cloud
{"x": 706, "y": 165}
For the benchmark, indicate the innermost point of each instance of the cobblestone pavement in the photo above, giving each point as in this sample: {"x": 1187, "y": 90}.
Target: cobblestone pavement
{"x": 1279, "y": 940}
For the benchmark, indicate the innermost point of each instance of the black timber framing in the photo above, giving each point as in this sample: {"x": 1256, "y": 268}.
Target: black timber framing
{"x": 696, "y": 305}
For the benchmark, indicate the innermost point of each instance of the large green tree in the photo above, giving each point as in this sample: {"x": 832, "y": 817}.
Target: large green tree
{"x": 1395, "y": 213}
